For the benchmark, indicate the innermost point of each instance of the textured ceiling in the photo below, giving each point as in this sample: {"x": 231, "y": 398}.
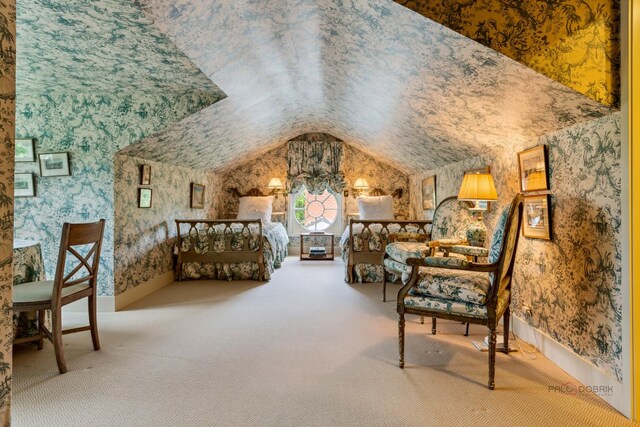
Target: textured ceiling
{"x": 103, "y": 46}
{"x": 372, "y": 73}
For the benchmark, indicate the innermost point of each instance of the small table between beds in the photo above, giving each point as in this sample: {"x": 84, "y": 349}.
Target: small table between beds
{"x": 305, "y": 256}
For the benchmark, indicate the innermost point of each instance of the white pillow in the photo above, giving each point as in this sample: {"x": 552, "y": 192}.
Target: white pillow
{"x": 256, "y": 207}
{"x": 381, "y": 207}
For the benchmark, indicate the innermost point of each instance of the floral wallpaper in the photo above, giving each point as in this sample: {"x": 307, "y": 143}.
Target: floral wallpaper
{"x": 373, "y": 74}
{"x": 257, "y": 172}
{"x": 573, "y": 282}
{"x": 7, "y": 127}
{"x": 144, "y": 238}
{"x": 575, "y": 42}
{"x": 92, "y": 128}
{"x": 100, "y": 46}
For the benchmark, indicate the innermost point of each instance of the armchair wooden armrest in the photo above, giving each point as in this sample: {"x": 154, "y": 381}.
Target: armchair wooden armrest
{"x": 469, "y": 250}
{"x": 481, "y": 267}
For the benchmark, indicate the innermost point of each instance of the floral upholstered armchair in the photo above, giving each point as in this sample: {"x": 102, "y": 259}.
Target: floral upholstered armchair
{"x": 448, "y": 230}
{"x": 466, "y": 291}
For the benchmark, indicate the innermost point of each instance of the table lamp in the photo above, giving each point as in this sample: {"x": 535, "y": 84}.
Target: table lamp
{"x": 477, "y": 187}
{"x": 275, "y": 185}
{"x": 361, "y": 185}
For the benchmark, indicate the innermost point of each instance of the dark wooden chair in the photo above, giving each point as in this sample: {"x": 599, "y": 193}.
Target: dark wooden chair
{"x": 71, "y": 283}
{"x": 467, "y": 291}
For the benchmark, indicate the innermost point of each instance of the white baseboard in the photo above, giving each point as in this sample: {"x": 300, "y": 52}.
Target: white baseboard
{"x": 105, "y": 303}
{"x": 602, "y": 384}
{"x": 132, "y": 295}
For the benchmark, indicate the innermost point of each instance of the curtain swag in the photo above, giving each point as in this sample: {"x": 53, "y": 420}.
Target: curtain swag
{"x": 315, "y": 162}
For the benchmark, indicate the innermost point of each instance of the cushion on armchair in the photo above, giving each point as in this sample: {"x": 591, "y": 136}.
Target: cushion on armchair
{"x": 470, "y": 250}
{"x": 455, "y": 307}
{"x": 456, "y": 285}
{"x": 445, "y": 261}
{"x": 402, "y": 251}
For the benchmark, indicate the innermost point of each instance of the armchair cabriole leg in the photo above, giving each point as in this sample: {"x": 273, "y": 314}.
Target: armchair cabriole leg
{"x": 93, "y": 322}
{"x": 492, "y": 357}
{"x": 401, "y": 339}
{"x": 57, "y": 338}
{"x": 433, "y": 326}
{"x": 506, "y": 319}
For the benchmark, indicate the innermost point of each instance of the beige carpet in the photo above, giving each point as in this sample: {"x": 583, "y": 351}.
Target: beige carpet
{"x": 305, "y": 349}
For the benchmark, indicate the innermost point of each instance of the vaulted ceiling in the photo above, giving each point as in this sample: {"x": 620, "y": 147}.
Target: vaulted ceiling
{"x": 371, "y": 72}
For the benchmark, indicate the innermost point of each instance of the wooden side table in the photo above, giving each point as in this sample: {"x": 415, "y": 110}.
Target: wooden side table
{"x": 329, "y": 256}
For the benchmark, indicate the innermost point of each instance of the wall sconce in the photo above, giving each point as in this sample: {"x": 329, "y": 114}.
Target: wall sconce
{"x": 361, "y": 185}
{"x": 276, "y": 187}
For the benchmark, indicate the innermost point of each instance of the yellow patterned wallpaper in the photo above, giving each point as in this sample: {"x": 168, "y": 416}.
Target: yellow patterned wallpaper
{"x": 573, "y": 42}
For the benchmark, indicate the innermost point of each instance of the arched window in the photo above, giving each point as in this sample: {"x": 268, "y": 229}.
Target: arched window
{"x": 316, "y": 212}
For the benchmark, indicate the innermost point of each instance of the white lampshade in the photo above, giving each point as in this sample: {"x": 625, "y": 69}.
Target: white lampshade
{"x": 275, "y": 184}
{"x": 477, "y": 187}
{"x": 361, "y": 184}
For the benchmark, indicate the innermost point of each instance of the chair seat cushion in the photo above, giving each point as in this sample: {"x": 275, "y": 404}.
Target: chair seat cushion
{"x": 457, "y": 285}
{"x": 448, "y": 306}
{"x": 398, "y": 268}
{"x": 402, "y": 251}
{"x": 42, "y": 291}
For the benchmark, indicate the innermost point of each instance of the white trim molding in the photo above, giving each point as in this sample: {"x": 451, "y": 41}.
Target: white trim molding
{"x": 595, "y": 379}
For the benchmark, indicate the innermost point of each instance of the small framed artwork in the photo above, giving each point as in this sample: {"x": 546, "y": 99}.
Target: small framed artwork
{"x": 533, "y": 169}
{"x": 145, "y": 175}
{"x": 537, "y": 218}
{"x": 25, "y": 150}
{"x": 486, "y": 206}
{"x": 429, "y": 193}
{"x": 197, "y": 196}
{"x": 144, "y": 197}
{"x": 54, "y": 164}
{"x": 24, "y": 185}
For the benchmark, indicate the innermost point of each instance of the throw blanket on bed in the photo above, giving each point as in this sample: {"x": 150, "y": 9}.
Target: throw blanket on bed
{"x": 275, "y": 250}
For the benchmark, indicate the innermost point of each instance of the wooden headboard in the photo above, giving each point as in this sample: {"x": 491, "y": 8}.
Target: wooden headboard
{"x": 397, "y": 193}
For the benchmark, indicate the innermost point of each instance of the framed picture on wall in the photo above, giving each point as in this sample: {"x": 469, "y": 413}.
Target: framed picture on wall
{"x": 145, "y": 175}
{"x": 533, "y": 169}
{"x": 54, "y": 164}
{"x": 197, "y": 196}
{"x": 537, "y": 218}
{"x": 24, "y": 185}
{"x": 25, "y": 150}
{"x": 144, "y": 197}
{"x": 482, "y": 205}
{"x": 429, "y": 193}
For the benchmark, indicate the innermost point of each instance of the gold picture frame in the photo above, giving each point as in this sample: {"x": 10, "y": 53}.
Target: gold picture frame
{"x": 145, "y": 198}
{"x": 536, "y": 223}
{"x": 145, "y": 175}
{"x": 533, "y": 165}
{"x": 197, "y": 196}
{"x": 429, "y": 193}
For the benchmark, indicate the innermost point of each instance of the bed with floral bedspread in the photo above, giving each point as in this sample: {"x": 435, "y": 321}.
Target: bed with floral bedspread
{"x": 229, "y": 249}
{"x": 363, "y": 244}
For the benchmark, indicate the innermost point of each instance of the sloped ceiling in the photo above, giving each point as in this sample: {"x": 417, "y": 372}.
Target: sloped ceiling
{"x": 372, "y": 73}
{"x": 99, "y": 47}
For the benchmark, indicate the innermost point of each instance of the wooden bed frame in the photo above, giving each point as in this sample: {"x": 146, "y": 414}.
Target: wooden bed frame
{"x": 368, "y": 256}
{"x": 228, "y": 255}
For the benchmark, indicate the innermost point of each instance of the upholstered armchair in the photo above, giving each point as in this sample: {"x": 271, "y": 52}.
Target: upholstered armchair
{"x": 450, "y": 222}
{"x": 466, "y": 291}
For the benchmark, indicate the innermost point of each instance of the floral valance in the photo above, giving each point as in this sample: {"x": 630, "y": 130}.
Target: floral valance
{"x": 315, "y": 161}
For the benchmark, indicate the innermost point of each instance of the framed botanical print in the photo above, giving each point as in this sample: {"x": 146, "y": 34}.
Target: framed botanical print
{"x": 197, "y": 196}
{"x": 145, "y": 175}
{"x": 24, "y": 185}
{"x": 537, "y": 218}
{"x": 533, "y": 169}
{"x": 429, "y": 193}
{"x": 145, "y": 196}
{"x": 54, "y": 164}
{"x": 25, "y": 150}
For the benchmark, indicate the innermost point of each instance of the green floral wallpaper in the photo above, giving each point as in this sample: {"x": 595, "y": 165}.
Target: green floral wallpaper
{"x": 572, "y": 283}
{"x": 7, "y": 125}
{"x": 92, "y": 128}
{"x": 144, "y": 238}
{"x": 575, "y": 42}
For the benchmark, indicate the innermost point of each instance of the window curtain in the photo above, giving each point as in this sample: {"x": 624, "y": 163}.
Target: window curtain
{"x": 315, "y": 161}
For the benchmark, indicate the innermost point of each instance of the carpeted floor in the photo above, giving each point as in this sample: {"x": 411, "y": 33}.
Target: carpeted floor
{"x": 305, "y": 349}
